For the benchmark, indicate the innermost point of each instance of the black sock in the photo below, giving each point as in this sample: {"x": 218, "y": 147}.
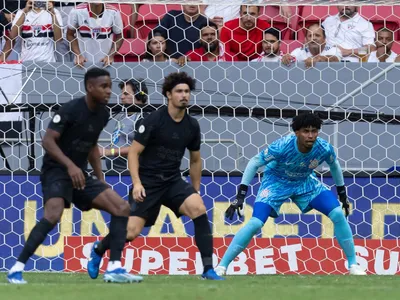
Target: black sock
{"x": 204, "y": 240}
{"x": 117, "y": 236}
{"x": 103, "y": 246}
{"x": 35, "y": 239}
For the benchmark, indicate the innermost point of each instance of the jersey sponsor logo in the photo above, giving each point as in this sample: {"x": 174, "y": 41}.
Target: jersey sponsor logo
{"x": 141, "y": 129}
{"x": 314, "y": 163}
{"x": 57, "y": 119}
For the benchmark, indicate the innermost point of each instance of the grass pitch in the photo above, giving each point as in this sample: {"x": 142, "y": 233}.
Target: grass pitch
{"x": 59, "y": 286}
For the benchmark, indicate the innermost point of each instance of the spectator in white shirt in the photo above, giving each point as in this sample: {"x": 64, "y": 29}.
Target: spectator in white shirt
{"x": 384, "y": 43}
{"x": 350, "y": 32}
{"x": 39, "y": 26}
{"x": 271, "y": 46}
{"x": 95, "y": 33}
{"x": 315, "y": 50}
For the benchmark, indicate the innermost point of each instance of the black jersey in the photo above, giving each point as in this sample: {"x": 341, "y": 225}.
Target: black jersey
{"x": 165, "y": 143}
{"x": 79, "y": 128}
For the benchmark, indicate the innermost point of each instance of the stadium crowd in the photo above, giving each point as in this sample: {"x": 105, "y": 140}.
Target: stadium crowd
{"x": 103, "y": 33}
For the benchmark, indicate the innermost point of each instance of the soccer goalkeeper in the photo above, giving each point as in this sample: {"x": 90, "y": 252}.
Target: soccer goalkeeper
{"x": 289, "y": 173}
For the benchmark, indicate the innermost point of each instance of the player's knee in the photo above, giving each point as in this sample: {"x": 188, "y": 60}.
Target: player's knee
{"x": 122, "y": 209}
{"x": 197, "y": 210}
{"x": 132, "y": 232}
{"x": 53, "y": 211}
{"x": 336, "y": 215}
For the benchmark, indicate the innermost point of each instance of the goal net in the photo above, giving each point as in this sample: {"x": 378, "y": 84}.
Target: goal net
{"x": 256, "y": 67}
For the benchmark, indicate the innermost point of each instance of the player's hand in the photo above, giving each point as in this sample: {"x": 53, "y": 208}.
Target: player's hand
{"x": 79, "y": 60}
{"x": 341, "y": 190}
{"x": 238, "y": 204}
{"x": 287, "y": 59}
{"x": 107, "y": 60}
{"x": 138, "y": 192}
{"x": 77, "y": 177}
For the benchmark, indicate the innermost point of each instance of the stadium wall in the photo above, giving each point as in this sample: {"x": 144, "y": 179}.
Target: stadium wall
{"x": 361, "y": 145}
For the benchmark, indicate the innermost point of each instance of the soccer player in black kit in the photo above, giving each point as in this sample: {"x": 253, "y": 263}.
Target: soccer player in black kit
{"x": 70, "y": 142}
{"x": 154, "y": 160}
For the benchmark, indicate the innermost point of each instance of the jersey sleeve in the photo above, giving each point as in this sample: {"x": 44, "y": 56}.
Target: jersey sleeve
{"x": 196, "y": 141}
{"x": 73, "y": 19}
{"x": 146, "y": 130}
{"x": 271, "y": 153}
{"x": 17, "y": 16}
{"x": 61, "y": 120}
{"x": 59, "y": 18}
{"x": 117, "y": 25}
{"x": 330, "y": 157}
{"x": 368, "y": 36}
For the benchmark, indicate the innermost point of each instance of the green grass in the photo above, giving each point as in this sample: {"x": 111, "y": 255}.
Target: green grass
{"x": 59, "y": 286}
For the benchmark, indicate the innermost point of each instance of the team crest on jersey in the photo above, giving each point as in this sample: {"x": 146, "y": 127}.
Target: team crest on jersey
{"x": 264, "y": 193}
{"x": 314, "y": 163}
{"x": 36, "y": 29}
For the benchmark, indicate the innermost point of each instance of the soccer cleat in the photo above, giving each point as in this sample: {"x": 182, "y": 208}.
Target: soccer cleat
{"x": 220, "y": 270}
{"x": 356, "y": 270}
{"x": 94, "y": 263}
{"x": 211, "y": 275}
{"x": 15, "y": 278}
{"x": 120, "y": 275}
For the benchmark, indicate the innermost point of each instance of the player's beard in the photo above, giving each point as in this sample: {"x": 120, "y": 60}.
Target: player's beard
{"x": 210, "y": 47}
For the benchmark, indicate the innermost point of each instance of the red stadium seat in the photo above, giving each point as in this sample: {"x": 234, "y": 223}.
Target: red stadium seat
{"x": 287, "y": 46}
{"x": 150, "y": 16}
{"x": 272, "y": 15}
{"x": 131, "y": 50}
{"x": 382, "y": 16}
{"x": 126, "y": 12}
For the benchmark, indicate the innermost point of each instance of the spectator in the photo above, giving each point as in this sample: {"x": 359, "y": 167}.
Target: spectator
{"x": 156, "y": 47}
{"x": 242, "y": 37}
{"x": 220, "y": 12}
{"x": 271, "y": 46}
{"x": 350, "y": 32}
{"x": 133, "y": 92}
{"x": 210, "y": 48}
{"x": 95, "y": 33}
{"x": 384, "y": 43}
{"x": 316, "y": 49}
{"x": 182, "y": 29}
{"x": 39, "y": 26}
{"x": 63, "y": 49}
{"x": 5, "y": 20}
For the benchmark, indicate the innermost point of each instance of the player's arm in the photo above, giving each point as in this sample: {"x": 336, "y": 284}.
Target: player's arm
{"x": 49, "y": 144}
{"x": 195, "y": 169}
{"x": 337, "y": 175}
{"x": 251, "y": 169}
{"x": 133, "y": 164}
{"x": 56, "y": 22}
{"x": 95, "y": 162}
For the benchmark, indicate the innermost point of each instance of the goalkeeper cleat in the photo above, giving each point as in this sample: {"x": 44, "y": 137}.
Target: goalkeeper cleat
{"x": 356, "y": 270}
{"x": 220, "y": 270}
{"x": 15, "y": 278}
{"x": 120, "y": 275}
{"x": 211, "y": 275}
{"x": 94, "y": 263}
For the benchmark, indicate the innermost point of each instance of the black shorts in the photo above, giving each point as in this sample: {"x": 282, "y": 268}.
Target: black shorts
{"x": 56, "y": 183}
{"x": 170, "y": 194}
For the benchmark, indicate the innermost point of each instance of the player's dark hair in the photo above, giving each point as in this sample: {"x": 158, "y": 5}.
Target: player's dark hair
{"x": 94, "y": 73}
{"x": 173, "y": 79}
{"x": 384, "y": 29}
{"x": 306, "y": 120}
{"x": 249, "y": 5}
{"x": 139, "y": 88}
{"x": 275, "y": 32}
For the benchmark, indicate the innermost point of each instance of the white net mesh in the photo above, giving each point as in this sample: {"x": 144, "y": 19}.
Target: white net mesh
{"x": 242, "y": 106}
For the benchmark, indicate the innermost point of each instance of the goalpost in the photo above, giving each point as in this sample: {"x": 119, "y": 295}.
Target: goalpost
{"x": 241, "y": 108}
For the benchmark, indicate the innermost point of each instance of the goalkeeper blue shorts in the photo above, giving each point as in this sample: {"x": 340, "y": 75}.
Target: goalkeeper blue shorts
{"x": 275, "y": 191}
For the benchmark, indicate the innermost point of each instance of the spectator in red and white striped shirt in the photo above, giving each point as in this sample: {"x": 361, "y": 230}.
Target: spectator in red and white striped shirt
{"x": 95, "y": 33}
{"x": 39, "y": 26}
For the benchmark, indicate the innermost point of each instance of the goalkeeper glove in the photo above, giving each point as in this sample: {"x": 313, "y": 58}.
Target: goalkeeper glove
{"x": 341, "y": 190}
{"x": 238, "y": 204}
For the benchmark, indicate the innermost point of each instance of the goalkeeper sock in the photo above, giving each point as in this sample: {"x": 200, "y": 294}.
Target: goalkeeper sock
{"x": 241, "y": 240}
{"x": 343, "y": 234}
{"x": 204, "y": 240}
{"x": 117, "y": 236}
{"x": 104, "y": 245}
{"x": 35, "y": 239}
